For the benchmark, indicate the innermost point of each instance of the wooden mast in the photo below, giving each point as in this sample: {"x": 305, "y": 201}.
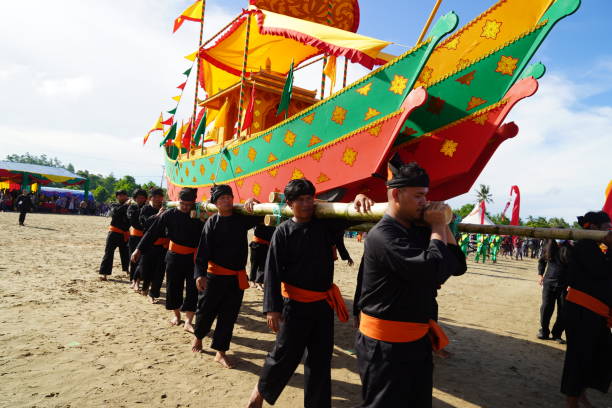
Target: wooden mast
{"x": 429, "y": 20}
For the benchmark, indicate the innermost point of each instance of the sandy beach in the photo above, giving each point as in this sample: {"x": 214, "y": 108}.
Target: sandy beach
{"x": 69, "y": 340}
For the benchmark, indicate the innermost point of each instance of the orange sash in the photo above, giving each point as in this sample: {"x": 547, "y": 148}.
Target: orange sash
{"x": 126, "y": 234}
{"x": 261, "y": 241}
{"x": 402, "y": 332}
{"x": 136, "y": 232}
{"x": 593, "y": 304}
{"x": 181, "y": 249}
{"x": 332, "y": 296}
{"x": 162, "y": 241}
{"x": 243, "y": 281}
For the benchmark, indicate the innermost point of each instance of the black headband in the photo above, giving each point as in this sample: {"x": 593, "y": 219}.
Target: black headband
{"x": 218, "y": 191}
{"x": 406, "y": 175}
{"x": 187, "y": 194}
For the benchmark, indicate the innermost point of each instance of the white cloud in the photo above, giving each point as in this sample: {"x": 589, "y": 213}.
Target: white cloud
{"x": 561, "y": 157}
{"x": 62, "y": 87}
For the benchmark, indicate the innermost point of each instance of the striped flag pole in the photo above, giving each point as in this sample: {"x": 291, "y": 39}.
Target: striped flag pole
{"x": 243, "y": 75}
{"x": 195, "y": 98}
{"x": 330, "y": 5}
{"x": 345, "y": 72}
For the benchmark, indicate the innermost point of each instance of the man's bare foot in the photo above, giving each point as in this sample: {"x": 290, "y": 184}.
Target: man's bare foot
{"x": 222, "y": 359}
{"x": 188, "y": 326}
{"x": 144, "y": 292}
{"x": 256, "y": 399}
{"x": 196, "y": 345}
{"x": 176, "y": 320}
{"x": 259, "y": 286}
{"x": 443, "y": 353}
{"x": 103, "y": 277}
{"x": 152, "y": 300}
{"x": 252, "y": 284}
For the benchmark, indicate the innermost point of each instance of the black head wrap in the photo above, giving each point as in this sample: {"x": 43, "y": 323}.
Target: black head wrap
{"x": 298, "y": 187}
{"x": 157, "y": 192}
{"x": 139, "y": 192}
{"x": 118, "y": 192}
{"x": 593, "y": 218}
{"x": 188, "y": 194}
{"x": 406, "y": 175}
{"x": 218, "y": 191}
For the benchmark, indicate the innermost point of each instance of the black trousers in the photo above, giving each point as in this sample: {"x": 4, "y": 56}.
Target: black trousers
{"x": 259, "y": 253}
{"x": 220, "y": 300}
{"x": 22, "y": 215}
{"x": 552, "y": 294}
{"x": 114, "y": 240}
{"x": 179, "y": 278}
{"x": 588, "y": 357}
{"x": 132, "y": 244}
{"x": 395, "y": 374}
{"x": 306, "y": 327}
{"x": 152, "y": 267}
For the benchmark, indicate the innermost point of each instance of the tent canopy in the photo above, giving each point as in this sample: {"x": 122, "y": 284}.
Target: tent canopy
{"x": 25, "y": 173}
{"x": 276, "y": 40}
{"x": 476, "y": 216}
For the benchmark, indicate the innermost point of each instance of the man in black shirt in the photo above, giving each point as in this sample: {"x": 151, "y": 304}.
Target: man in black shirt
{"x": 259, "y": 252}
{"x": 136, "y": 231}
{"x": 117, "y": 237}
{"x": 152, "y": 265}
{"x": 24, "y": 204}
{"x": 300, "y": 298}
{"x": 184, "y": 234}
{"x": 407, "y": 256}
{"x": 220, "y": 271}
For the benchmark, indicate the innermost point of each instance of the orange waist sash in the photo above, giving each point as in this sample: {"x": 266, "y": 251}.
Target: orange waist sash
{"x": 332, "y": 296}
{"x": 402, "y": 332}
{"x": 181, "y": 249}
{"x": 243, "y": 281}
{"x": 162, "y": 241}
{"x": 261, "y": 241}
{"x": 135, "y": 232}
{"x": 593, "y": 304}
{"x": 126, "y": 234}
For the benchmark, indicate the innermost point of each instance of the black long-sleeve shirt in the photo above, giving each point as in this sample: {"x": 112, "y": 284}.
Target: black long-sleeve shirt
{"x": 224, "y": 241}
{"x": 555, "y": 270}
{"x": 119, "y": 218}
{"x": 179, "y": 226}
{"x": 301, "y": 255}
{"x": 402, "y": 270}
{"x": 590, "y": 270}
{"x": 133, "y": 214}
{"x": 24, "y": 203}
{"x": 147, "y": 216}
{"x": 264, "y": 232}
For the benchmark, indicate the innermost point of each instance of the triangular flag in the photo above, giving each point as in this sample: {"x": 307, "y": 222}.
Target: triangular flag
{"x": 177, "y": 138}
{"x": 170, "y": 135}
{"x": 330, "y": 71}
{"x": 248, "y": 116}
{"x": 201, "y": 127}
{"x": 177, "y": 98}
{"x": 287, "y": 89}
{"x": 186, "y": 73}
{"x": 172, "y": 111}
{"x": 158, "y": 126}
{"x": 182, "y": 86}
{"x": 191, "y": 13}
{"x": 169, "y": 121}
{"x": 186, "y": 139}
{"x": 192, "y": 56}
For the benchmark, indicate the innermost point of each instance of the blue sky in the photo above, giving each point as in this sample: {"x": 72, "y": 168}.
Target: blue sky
{"x": 84, "y": 80}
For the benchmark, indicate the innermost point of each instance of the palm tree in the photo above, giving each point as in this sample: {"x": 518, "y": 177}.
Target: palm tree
{"x": 484, "y": 194}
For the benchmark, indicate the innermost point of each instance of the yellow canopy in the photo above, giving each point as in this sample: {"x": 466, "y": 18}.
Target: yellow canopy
{"x": 275, "y": 40}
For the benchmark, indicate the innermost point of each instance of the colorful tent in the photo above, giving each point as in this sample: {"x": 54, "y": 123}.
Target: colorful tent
{"x": 270, "y": 36}
{"x": 477, "y": 217}
{"x": 25, "y": 174}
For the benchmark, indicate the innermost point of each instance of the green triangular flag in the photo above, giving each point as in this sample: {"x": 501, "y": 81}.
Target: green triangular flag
{"x": 286, "y": 97}
{"x": 172, "y": 111}
{"x": 200, "y": 130}
{"x": 171, "y": 134}
{"x": 186, "y": 73}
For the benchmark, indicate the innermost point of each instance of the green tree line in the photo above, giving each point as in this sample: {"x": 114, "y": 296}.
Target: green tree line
{"x": 102, "y": 187}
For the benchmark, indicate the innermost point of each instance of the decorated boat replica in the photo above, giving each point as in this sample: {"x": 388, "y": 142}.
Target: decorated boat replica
{"x": 442, "y": 103}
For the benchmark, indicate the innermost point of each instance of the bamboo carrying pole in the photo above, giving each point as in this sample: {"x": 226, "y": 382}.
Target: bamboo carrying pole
{"x": 348, "y": 212}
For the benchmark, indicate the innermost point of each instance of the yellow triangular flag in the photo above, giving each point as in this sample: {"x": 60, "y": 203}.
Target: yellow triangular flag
{"x": 177, "y": 98}
{"x": 330, "y": 71}
{"x": 179, "y": 136}
{"x": 158, "y": 126}
{"x": 192, "y": 56}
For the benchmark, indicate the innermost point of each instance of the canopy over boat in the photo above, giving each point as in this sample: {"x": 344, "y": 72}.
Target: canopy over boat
{"x": 270, "y": 36}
